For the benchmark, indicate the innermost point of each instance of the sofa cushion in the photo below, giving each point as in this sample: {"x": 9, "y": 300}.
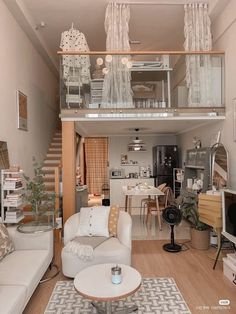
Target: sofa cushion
{"x": 6, "y": 244}
{"x": 24, "y": 267}
{"x": 12, "y": 299}
{"x": 93, "y": 221}
{"x": 113, "y": 220}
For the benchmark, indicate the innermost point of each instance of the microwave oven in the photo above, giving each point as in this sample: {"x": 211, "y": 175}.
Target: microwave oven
{"x": 117, "y": 173}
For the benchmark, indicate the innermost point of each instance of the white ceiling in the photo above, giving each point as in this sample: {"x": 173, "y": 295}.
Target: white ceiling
{"x": 157, "y": 27}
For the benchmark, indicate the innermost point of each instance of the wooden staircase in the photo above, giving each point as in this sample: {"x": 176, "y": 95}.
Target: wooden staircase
{"x": 52, "y": 162}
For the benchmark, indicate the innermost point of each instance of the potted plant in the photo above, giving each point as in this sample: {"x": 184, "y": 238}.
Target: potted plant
{"x": 39, "y": 199}
{"x": 200, "y": 232}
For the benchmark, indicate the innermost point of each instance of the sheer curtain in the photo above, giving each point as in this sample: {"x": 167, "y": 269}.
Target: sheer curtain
{"x": 197, "y": 31}
{"x": 117, "y": 90}
{"x": 96, "y": 159}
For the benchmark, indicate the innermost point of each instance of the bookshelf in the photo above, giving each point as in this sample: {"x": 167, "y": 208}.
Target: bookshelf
{"x": 11, "y": 196}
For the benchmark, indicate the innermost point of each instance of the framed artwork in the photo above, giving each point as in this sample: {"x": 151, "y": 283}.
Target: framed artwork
{"x": 234, "y": 121}
{"x": 22, "y": 111}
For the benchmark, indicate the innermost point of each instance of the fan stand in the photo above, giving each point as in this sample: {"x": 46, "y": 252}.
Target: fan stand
{"x": 172, "y": 247}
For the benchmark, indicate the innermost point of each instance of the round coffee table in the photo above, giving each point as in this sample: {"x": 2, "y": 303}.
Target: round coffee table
{"x": 94, "y": 283}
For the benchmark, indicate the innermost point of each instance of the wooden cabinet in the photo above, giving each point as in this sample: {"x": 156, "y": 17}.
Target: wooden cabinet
{"x": 117, "y": 196}
{"x": 209, "y": 209}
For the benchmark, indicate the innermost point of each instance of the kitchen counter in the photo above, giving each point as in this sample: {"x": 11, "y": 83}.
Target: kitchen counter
{"x": 117, "y": 196}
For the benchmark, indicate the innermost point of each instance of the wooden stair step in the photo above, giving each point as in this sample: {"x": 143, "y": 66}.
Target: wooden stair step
{"x": 50, "y": 188}
{"x": 49, "y": 179}
{"x": 56, "y": 140}
{"x": 50, "y": 165}
{"x": 55, "y": 150}
{"x": 50, "y": 156}
{"x": 49, "y": 184}
{"x": 53, "y": 145}
{"x": 55, "y": 158}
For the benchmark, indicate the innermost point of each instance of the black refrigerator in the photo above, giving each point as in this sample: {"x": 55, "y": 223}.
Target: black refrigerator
{"x": 165, "y": 158}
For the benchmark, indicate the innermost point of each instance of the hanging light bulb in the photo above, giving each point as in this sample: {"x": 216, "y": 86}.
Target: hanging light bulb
{"x": 99, "y": 61}
{"x": 108, "y": 58}
{"x": 129, "y": 64}
{"x": 105, "y": 71}
{"x": 124, "y": 60}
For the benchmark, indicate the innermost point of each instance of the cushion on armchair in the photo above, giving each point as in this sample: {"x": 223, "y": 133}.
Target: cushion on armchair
{"x": 6, "y": 244}
{"x": 93, "y": 221}
{"x": 113, "y": 220}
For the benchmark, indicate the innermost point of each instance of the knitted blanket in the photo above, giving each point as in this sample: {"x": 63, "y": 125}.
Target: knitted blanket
{"x": 84, "y": 247}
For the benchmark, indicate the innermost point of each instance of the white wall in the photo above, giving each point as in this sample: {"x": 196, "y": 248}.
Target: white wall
{"x": 22, "y": 68}
{"x": 224, "y": 30}
{"x": 119, "y": 145}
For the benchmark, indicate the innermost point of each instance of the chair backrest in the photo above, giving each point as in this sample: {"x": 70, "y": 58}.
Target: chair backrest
{"x": 168, "y": 197}
{"x": 161, "y": 186}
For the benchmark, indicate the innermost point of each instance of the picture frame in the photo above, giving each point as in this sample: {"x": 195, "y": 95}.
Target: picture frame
{"x": 22, "y": 113}
{"x": 234, "y": 119}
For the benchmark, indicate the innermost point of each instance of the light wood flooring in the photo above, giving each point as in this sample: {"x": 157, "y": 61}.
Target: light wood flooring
{"x": 201, "y": 286}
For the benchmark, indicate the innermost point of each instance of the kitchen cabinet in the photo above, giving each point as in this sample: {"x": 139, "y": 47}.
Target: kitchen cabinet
{"x": 117, "y": 196}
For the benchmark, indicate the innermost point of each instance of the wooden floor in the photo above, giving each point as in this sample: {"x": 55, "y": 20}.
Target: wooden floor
{"x": 201, "y": 286}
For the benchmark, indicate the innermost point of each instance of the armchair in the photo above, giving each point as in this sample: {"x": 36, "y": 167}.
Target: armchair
{"x": 114, "y": 250}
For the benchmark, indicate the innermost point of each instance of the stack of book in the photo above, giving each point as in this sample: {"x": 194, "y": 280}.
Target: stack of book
{"x": 12, "y": 183}
{"x": 13, "y": 200}
{"x": 14, "y": 215}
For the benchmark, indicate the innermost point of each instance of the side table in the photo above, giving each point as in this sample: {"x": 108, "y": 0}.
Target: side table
{"x": 34, "y": 227}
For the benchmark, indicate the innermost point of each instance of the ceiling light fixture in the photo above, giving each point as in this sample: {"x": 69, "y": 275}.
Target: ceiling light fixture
{"x": 136, "y": 145}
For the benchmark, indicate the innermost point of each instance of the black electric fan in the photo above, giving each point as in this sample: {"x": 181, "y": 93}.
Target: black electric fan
{"x": 172, "y": 215}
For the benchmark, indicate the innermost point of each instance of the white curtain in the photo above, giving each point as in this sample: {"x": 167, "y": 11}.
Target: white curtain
{"x": 117, "y": 92}
{"x": 197, "y": 30}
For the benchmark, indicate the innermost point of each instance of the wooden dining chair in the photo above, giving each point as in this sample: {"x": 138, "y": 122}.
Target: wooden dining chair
{"x": 164, "y": 201}
{"x": 146, "y": 200}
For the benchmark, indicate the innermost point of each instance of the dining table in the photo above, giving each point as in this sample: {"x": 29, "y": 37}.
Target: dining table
{"x": 142, "y": 190}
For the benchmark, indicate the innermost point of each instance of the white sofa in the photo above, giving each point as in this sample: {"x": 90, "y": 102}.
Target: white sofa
{"x": 21, "y": 270}
{"x": 113, "y": 250}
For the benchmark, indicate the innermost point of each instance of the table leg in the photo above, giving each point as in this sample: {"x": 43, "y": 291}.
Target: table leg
{"x": 126, "y": 202}
{"x": 130, "y": 204}
{"x": 108, "y": 308}
{"x": 158, "y": 213}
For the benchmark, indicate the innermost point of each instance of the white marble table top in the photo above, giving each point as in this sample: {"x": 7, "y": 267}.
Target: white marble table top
{"x": 94, "y": 282}
{"x": 141, "y": 190}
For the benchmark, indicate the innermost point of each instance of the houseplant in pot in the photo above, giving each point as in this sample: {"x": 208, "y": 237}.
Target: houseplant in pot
{"x": 200, "y": 232}
{"x": 39, "y": 200}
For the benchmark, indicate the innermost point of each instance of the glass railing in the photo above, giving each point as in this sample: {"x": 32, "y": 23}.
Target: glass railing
{"x": 142, "y": 84}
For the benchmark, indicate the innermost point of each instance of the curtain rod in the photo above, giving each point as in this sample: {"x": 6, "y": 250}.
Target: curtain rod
{"x": 161, "y": 2}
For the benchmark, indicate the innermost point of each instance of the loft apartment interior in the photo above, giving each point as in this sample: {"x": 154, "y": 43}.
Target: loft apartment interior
{"x": 117, "y": 156}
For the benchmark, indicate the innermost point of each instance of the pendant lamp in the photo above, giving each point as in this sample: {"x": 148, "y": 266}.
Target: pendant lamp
{"x": 137, "y": 145}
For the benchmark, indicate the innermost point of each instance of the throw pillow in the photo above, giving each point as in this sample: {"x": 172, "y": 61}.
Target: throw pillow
{"x": 6, "y": 244}
{"x": 93, "y": 221}
{"x": 113, "y": 220}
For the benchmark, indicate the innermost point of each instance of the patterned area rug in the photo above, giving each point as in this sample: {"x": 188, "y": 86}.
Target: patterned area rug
{"x": 156, "y": 296}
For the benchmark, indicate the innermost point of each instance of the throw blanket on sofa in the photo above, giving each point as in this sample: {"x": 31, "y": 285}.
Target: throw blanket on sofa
{"x": 83, "y": 247}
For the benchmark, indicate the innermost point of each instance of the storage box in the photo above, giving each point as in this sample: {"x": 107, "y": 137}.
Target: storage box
{"x": 229, "y": 270}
